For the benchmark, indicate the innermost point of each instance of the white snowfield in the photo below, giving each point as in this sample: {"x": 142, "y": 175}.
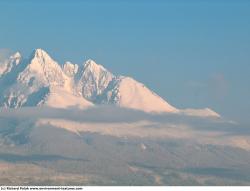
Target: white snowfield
{"x": 40, "y": 80}
{"x": 126, "y": 92}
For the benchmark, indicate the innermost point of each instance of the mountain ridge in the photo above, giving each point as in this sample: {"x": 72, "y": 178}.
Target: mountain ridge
{"x": 40, "y": 80}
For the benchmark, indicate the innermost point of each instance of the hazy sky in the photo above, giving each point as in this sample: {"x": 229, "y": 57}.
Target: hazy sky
{"x": 192, "y": 53}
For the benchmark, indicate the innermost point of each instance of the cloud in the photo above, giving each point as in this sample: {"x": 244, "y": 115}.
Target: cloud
{"x": 120, "y": 122}
{"x": 112, "y": 114}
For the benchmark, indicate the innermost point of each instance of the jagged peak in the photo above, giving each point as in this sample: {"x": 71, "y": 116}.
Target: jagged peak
{"x": 70, "y": 69}
{"x": 68, "y": 64}
{"x": 16, "y": 55}
{"x": 90, "y": 61}
{"x": 89, "y": 80}
{"x": 15, "y": 58}
{"x": 41, "y": 57}
{"x": 41, "y": 62}
{"x": 92, "y": 65}
{"x": 40, "y": 54}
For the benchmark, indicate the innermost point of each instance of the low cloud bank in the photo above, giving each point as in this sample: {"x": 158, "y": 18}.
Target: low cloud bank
{"x": 111, "y": 114}
{"x": 120, "y": 122}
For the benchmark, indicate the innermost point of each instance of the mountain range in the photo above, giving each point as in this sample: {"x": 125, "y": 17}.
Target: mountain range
{"x": 79, "y": 124}
{"x": 40, "y": 80}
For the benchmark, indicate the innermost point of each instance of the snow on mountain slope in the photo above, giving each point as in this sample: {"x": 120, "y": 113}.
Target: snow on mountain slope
{"x": 42, "y": 70}
{"x": 207, "y": 112}
{"x": 41, "y": 80}
{"x": 59, "y": 98}
{"x": 70, "y": 69}
{"x": 126, "y": 92}
{"x": 94, "y": 79}
{"x": 101, "y": 86}
{"x": 8, "y": 64}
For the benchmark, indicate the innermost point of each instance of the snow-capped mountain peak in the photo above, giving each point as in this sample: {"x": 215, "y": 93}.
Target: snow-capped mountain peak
{"x": 16, "y": 56}
{"x": 7, "y": 65}
{"x": 43, "y": 68}
{"x": 94, "y": 80}
{"x": 41, "y": 80}
{"x": 94, "y": 68}
{"x": 40, "y": 53}
{"x": 92, "y": 64}
{"x": 127, "y": 92}
{"x": 70, "y": 69}
{"x": 42, "y": 58}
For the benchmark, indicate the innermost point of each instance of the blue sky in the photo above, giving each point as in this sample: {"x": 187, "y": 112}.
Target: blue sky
{"x": 192, "y": 53}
